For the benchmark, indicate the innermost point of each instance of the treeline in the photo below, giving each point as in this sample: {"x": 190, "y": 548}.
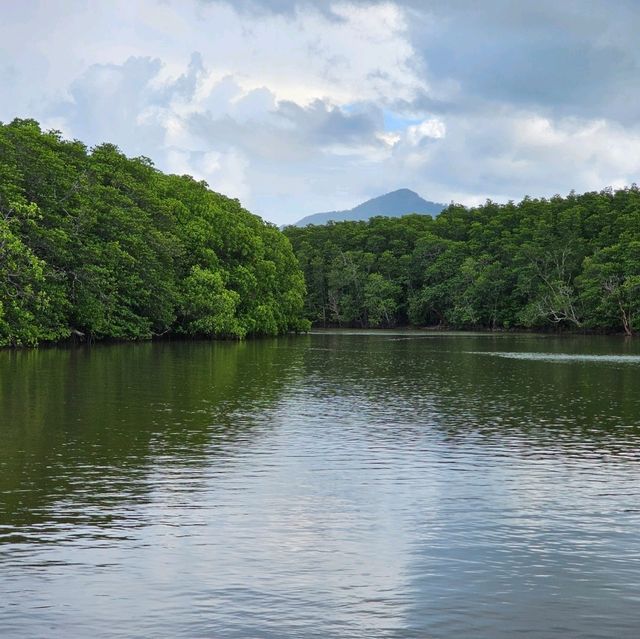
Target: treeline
{"x": 562, "y": 262}
{"x": 98, "y": 245}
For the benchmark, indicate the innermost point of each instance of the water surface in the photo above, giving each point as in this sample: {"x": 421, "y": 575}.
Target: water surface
{"x": 353, "y": 484}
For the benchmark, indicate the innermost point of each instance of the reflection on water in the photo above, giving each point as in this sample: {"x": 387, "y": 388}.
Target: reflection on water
{"x": 334, "y": 485}
{"x": 566, "y": 357}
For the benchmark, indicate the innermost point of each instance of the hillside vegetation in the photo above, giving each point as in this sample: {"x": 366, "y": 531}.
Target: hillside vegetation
{"x": 96, "y": 244}
{"x": 562, "y": 262}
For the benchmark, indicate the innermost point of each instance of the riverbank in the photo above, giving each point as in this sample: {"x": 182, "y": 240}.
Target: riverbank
{"x": 476, "y": 330}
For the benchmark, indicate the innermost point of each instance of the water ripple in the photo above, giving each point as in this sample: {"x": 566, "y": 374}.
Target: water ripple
{"x": 347, "y": 485}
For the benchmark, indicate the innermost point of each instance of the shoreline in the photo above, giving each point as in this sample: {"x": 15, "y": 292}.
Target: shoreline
{"x": 329, "y": 330}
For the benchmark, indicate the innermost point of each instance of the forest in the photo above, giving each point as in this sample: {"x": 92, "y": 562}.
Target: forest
{"x": 95, "y": 245}
{"x": 564, "y": 263}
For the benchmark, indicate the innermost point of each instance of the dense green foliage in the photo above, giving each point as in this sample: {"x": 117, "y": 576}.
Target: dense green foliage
{"x": 109, "y": 247}
{"x": 567, "y": 261}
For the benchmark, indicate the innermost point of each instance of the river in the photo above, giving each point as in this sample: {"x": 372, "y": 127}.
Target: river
{"x": 339, "y": 484}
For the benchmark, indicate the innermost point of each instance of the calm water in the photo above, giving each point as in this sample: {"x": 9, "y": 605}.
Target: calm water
{"x": 331, "y": 485}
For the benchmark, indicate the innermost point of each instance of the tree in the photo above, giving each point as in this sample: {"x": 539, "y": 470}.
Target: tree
{"x": 380, "y": 300}
{"x": 25, "y": 307}
{"x": 610, "y": 287}
{"x": 93, "y": 242}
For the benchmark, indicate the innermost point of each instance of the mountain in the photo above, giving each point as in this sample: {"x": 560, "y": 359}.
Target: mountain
{"x": 394, "y": 204}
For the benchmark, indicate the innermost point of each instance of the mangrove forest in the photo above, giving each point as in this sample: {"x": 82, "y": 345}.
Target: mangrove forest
{"x": 96, "y": 245}
{"x": 543, "y": 264}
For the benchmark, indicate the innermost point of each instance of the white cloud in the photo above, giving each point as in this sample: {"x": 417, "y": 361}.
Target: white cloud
{"x": 285, "y": 109}
{"x": 203, "y": 87}
{"x": 218, "y": 169}
{"x": 433, "y": 128}
{"x": 513, "y": 153}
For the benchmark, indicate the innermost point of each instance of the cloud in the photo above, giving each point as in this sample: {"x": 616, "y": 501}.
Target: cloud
{"x": 303, "y": 105}
{"x": 431, "y": 128}
{"x": 559, "y": 57}
{"x": 517, "y": 152}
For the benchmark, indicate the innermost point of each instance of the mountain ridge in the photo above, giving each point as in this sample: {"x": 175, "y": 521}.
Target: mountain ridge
{"x": 393, "y": 204}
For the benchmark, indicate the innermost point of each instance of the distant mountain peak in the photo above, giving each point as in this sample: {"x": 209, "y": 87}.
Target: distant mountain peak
{"x": 393, "y": 204}
{"x": 402, "y": 190}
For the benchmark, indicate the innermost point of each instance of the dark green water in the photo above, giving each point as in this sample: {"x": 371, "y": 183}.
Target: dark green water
{"x": 332, "y": 485}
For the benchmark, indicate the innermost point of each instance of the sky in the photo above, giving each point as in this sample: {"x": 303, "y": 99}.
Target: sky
{"x": 301, "y": 106}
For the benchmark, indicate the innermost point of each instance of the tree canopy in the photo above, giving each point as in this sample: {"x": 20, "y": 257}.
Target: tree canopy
{"x": 561, "y": 262}
{"x": 98, "y": 244}
{"x": 95, "y": 243}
